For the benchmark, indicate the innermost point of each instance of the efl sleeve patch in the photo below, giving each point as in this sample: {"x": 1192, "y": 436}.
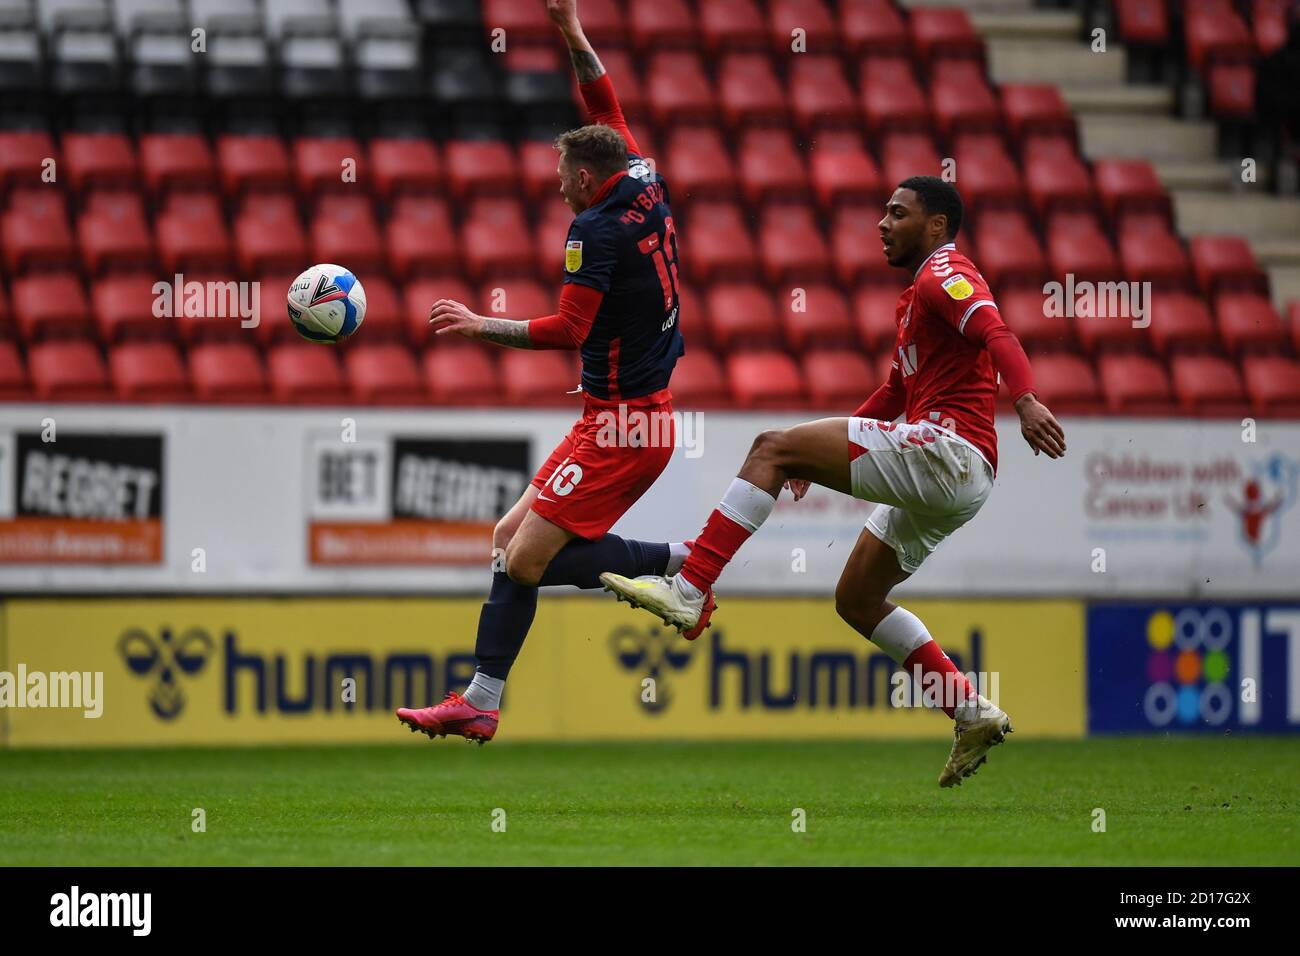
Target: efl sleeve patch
{"x": 573, "y": 255}
{"x": 958, "y": 287}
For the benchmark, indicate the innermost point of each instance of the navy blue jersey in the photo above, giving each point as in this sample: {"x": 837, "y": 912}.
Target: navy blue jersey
{"x": 624, "y": 245}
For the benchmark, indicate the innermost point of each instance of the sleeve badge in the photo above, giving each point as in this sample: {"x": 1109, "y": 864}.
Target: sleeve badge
{"x": 573, "y": 255}
{"x": 958, "y": 287}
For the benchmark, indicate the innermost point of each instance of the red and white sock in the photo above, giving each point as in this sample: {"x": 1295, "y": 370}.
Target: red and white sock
{"x": 902, "y": 636}
{"x": 741, "y": 512}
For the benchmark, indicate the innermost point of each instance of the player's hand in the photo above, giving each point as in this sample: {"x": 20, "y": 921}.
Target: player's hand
{"x": 1040, "y": 427}
{"x": 448, "y": 315}
{"x": 798, "y": 487}
{"x": 563, "y": 13}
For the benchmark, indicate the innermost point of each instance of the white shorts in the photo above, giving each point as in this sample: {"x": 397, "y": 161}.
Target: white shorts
{"x": 927, "y": 481}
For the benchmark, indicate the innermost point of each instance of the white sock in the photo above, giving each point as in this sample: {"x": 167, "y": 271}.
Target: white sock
{"x": 484, "y": 692}
{"x": 744, "y": 503}
{"x": 899, "y": 633}
{"x": 677, "y": 555}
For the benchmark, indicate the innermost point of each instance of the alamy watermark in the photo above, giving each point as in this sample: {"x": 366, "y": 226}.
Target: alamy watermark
{"x": 639, "y": 428}
{"x": 83, "y": 690}
{"x": 216, "y": 300}
{"x": 1098, "y": 300}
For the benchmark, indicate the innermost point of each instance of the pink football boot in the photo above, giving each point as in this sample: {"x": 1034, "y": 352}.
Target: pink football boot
{"x": 454, "y": 716}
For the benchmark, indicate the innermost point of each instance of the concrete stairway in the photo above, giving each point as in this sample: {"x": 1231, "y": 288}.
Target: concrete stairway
{"x": 1119, "y": 119}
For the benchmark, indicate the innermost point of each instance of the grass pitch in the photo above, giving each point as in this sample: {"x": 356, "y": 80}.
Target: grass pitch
{"x": 1168, "y": 801}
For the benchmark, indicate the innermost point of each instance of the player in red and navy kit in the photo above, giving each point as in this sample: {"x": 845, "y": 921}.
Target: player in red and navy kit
{"x": 619, "y": 308}
{"x": 929, "y": 473}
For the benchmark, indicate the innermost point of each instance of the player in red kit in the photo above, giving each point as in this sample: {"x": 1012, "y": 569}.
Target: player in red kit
{"x": 929, "y": 473}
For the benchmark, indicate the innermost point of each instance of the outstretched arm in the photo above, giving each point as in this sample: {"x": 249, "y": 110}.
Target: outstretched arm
{"x": 566, "y": 329}
{"x": 594, "y": 83}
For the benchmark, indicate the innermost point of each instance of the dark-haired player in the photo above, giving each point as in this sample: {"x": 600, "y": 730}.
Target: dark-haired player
{"x": 619, "y": 308}
{"x": 930, "y": 473}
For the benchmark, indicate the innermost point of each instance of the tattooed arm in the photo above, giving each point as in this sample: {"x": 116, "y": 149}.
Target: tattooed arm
{"x": 567, "y": 329}
{"x": 448, "y": 315}
{"x": 593, "y": 82}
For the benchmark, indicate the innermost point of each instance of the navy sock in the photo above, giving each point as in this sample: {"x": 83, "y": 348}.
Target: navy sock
{"x": 503, "y": 624}
{"x": 580, "y": 562}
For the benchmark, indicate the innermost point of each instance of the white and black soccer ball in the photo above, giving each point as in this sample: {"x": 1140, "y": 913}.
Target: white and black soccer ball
{"x": 326, "y": 303}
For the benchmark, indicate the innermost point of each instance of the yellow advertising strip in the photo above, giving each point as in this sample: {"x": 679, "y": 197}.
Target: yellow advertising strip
{"x": 306, "y": 670}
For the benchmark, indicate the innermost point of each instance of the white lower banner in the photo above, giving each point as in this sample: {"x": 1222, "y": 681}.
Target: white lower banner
{"x": 388, "y": 501}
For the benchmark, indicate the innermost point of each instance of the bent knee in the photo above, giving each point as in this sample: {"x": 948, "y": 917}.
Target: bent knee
{"x": 770, "y": 445}
{"x": 522, "y": 567}
{"x": 860, "y": 611}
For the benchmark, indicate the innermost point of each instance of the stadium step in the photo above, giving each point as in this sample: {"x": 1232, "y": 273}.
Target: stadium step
{"x": 1204, "y": 175}
{"x": 1038, "y": 25}
{"x": 1129, "y": 99}
{"x": 1147, "y": 137}
{"x": 1065, "y": 63}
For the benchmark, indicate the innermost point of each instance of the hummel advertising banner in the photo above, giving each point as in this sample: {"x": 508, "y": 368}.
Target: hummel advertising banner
{"x": 388, "y": 502}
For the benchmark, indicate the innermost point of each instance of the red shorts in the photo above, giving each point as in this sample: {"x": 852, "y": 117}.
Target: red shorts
{"x": 605, "y": 464}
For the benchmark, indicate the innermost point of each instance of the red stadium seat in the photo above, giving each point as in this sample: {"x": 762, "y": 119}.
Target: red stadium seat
{"x": 908, "y": 154}
{"x": 678, "y": 89}
{"x": 1142, "y": 22}
{"x": 1181, "y": 322}
{"x": 270, "y": 294}
{"x": 812, "y": 19}
{"x": 1273, "y": 383}
{"x": 1135, "y": 385}
{"x": 749, "y": 92}
{"x": 820, "y": 96}
{"x": 1010, "y": 253}
{"x": 700, "y": 164}
{"x": 346, "y": 232}
{"x": 99, "y": 160}
{"x": 1155, "y": 257}
{"x": 872, "y": 27}
{"x": 192, "y": 235}
{"x": 765, "y": 380}
{"x": 718, "y": 243}
{"x": 109, "y": 242}
{"x": 1215, "y": 34}
{"x": 419, "y": 298}
{"x": 36, "y": 239}
{"x": 306, "y": 373}
{"x": 494, "y": 240}
{"x": 944, "y": 33}
{"x": 732, "y": 25}
{"x": 856, "y": 252}
{"x": 741, "y": 316}
{"x": 1034, "y": 108}
{"x": 537, "y": 164}
{"x": 523, "y": 22}
{"x": 124, "y": 309}
{"x": 549, "y": 237}
{"x": 691, "y": 318}
{"x": 481, "y": 169}
{"x": 771, "y": 167}
{"x": 269, "y": 235}
{"x": 320, "y": 163}
{"x": 604, "y": 22}
{"x": 1057, "y": 181}
{"x": 1076, "y": 244}
{"x": 14, "y": 386}
{"x": 791, "y": 246}
{"x": 1232, "y": 90}
{"x": 23, "y": 155}
{"x": 961, "y": 100}
{"x": 892, "y": 100}
{"x": 843, "y": 173}
{"x": 421, "y": 239}
{"x": 662, "y": 25}
{"x": 148, "y": 372}
{"x": 516, "y": 299}
{"x": 816, "y": 317}
{"x": 837, "y": 380}
{"x": 462, "y": 375}
{"x": 210, "y": 308}
{"x": 1024, "y": 312}
{"x": 1066, "y": 383}
{"x": 1208, "y": 385}
{"x": 1127, "y": 186}
{"x": 1248, "y": 322}
{"x": 253, "y": 163}
{"x": 988, "y": 177}
{"x": 699, "y": 381}
{"x": 176, "y": 161}
{"x": 383, "y": 374}
{"x": 404, "y": 166}
{"x": 227, "y": 372}
{"x": 1220, "y": 263}
{"x": 68, "y": 371}
{"x": 626, "y": 76}
{"x": 1268, "y": 20}
{"x": 50, "y": 305}
{"x": 538, "y": 378}
{"x": 875, "y": 313}
{"x": 385, "y": 315}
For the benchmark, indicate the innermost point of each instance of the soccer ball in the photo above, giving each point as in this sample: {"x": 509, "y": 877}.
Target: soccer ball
{"x": 326, "y": 303}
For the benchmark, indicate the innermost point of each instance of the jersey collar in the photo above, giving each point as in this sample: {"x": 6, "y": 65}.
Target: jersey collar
{"x": 607, "y": 187}
{"x": 946, "y": 245}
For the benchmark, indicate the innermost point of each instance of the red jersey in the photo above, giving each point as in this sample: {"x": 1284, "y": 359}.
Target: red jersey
{"x": 947, "y": 377}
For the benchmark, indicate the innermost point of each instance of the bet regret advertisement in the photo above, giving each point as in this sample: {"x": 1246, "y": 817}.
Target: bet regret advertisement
{"x": 221, "y": 671}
